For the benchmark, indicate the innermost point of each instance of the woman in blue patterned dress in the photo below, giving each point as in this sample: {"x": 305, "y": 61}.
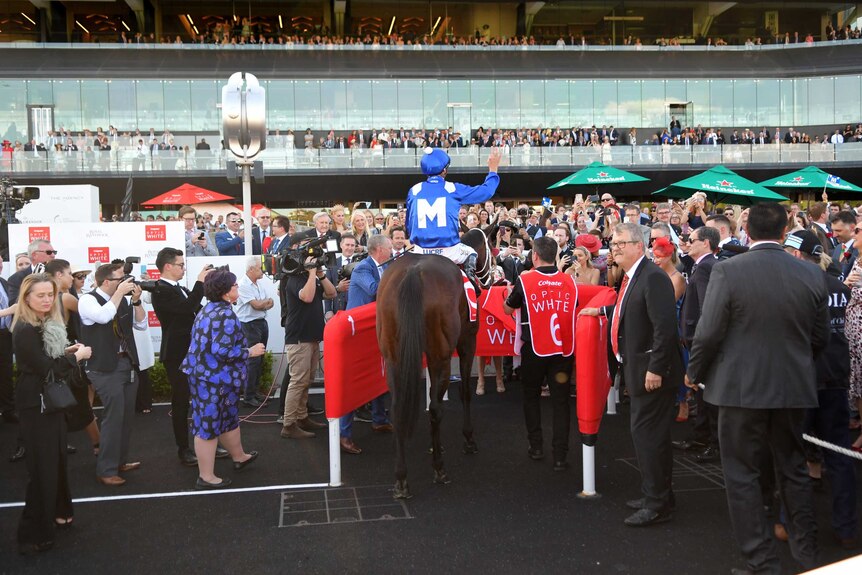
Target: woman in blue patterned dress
{"x": 216, "y": 368}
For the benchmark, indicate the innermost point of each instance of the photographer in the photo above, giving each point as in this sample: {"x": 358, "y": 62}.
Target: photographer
{"x": 338, "y": 278}
{"x": 302, "y": 297}
{"x": 107, "y": 320}
{"x": 176, "y": 307}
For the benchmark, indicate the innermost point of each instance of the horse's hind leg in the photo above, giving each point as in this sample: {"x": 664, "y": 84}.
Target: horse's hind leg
{"x": 466, "y": 351}
{"x": 439, "y": 383}
{"x": 401, "y": 490}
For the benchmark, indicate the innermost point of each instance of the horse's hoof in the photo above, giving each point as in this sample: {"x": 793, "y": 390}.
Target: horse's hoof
{"x": 441, "y": 478}
{"x": 470, "y": 447}
{"x": 431, "y": 450}
{"x": 401, "y": 492}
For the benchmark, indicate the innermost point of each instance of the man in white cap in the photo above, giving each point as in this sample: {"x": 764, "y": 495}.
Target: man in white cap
{"x": 432, "y": 209}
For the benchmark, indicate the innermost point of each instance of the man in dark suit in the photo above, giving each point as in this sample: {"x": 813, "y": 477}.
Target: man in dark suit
{"x": 39, "y": 251}
{"x": 342, "y": 286}
{"x": 765, "y": 316}
{"x": 728, "y": 246}
{"x": 704, "y": 243}
{"x": 176, "y": 307}
{"x": 818, "y": 213}
{"x": 843, "y": 232}
{"x": 363, "y": 290}
{"x": 511, "y": 259}
{"x": 644, "y": 341}
{"x": 231, "y": 242}
{"x": 320, "y": 229}
{"x": 7, "y": 397}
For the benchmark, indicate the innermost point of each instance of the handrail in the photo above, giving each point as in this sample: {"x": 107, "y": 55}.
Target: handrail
{"x": 407, "y": 159}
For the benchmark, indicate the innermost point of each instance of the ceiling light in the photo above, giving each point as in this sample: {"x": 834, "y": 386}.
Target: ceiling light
{"x": 33, "y": 22}
{"x": 82, "y": 27}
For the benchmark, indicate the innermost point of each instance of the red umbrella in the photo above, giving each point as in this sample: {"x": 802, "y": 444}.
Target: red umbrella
{"x": 187, "y": 194}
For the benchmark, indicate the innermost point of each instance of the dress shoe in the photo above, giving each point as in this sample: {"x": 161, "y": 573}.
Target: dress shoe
{"x": 19, "y": 455}
{"x": 708, "y": 455}
{"x": 309, "y": 424}
{"x": 362, "y": 415}
{"x": 535, "y": 453}
{"x": 202, "y": 485}
{"x": 293, "y": 431}
{"x": 188, "y": 457}
{"x": 313, "y": 409}
{"x": 646, "y": 517}
{"x": 113, "y": 481}
{"x": 130, "y": 466}
{"x": 221, "y": 452}
{"x": 71, "y": 449}
{"x": 561, "y": 465}
{"x": 382, "y": 428}
{"x": 253, "y": 402}
{"x": 687, "y": 445}
{"x": 10, "y": 417}
{"x": 347, "y": 446}
{"x": 33, "y": 548}
{"x": 239, "y": 465}
{"x": 640, "y": 503}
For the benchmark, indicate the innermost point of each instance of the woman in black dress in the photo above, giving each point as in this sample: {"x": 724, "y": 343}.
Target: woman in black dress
{"x": 40, "y": 345}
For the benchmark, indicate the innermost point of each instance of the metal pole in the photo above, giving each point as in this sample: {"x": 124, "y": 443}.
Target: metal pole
{"x": 589, "y": 458}
{"x": 334, "y": 453}
{"x": 612, "y": 401}
{"x": 246, "y": 205}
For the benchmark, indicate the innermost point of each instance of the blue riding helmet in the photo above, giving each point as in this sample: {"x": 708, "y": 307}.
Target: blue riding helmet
{"x": 434, "y": 161}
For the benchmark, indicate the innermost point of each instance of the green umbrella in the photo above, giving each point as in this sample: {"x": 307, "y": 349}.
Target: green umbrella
{"x": 597, "y": 174}
{"x": 720, "y": 184}
{"x": 811, "y": 178}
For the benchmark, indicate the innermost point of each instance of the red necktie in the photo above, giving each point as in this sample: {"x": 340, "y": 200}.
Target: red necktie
{"x": 615, "y": 322}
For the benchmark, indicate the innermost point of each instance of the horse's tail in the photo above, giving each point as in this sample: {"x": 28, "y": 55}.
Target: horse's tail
{"x": 411, "y": 342}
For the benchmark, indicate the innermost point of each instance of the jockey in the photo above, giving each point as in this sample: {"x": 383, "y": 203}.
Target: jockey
{"x": 432, "y": 209}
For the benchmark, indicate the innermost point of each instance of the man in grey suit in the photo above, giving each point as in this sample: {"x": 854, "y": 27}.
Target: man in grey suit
{"x": 764, "y": 317}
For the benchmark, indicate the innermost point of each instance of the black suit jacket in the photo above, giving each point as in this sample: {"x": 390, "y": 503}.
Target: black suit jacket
{"x": 339, "y": 302}
{"x": 311, "y": 234}
{"x": 512, "y": 268}
{"x": 176, "y": 314}
{"x": 648, "y": 336}
{"x": 765, "y": 316}
{"x": 695, "y": 294}
{"x": 14, "y": 283}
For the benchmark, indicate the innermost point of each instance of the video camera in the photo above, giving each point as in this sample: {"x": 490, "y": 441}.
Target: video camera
{"x": 292, "y": 261}
{"x": 347, "y": 269}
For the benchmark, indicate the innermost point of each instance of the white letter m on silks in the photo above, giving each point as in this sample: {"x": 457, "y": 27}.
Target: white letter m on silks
{"x": 435, "y": 211}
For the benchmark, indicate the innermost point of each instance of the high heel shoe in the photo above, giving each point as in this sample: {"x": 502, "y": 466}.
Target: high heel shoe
{"x": 682, "y": 415}
{"x": 501, "y": 387}
{"x": 480, "y": 388}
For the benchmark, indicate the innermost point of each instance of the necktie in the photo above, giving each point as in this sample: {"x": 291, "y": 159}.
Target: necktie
{"x": 182, "y": 291}
{"x": 615, "y": 325}
{"x": 273, "y": 247}
{"x": 693, "y": 269}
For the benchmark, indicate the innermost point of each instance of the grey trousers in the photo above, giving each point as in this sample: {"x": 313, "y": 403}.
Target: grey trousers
{"x": 118, "y": 390}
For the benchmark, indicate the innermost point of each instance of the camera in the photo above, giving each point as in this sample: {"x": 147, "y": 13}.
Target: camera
{"x": 347, "y": 269}
{"x": 146, "y": 285}
{"x": 293, "y": 261}
{"x": 523, "y": 213}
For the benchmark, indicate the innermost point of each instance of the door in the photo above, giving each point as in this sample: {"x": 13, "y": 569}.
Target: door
{"x": 460, "y": 120}
{"x": 40, "y": 121}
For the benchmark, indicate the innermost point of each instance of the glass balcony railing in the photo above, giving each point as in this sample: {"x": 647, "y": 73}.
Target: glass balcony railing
{"x": 105, "y": 163}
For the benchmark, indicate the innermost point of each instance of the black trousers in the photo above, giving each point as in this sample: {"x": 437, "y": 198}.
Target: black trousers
{"x": 7, "y": 396}
{"x": 556, "y": 370}
{"x": 179, "y": 404}
{"x": 746, "y": 437}
{"x": 256, "y": 331}
{"x": 48, "y": 495}
{"x": 706, "y": 422}
{"x": 144, "y": 399}
{"x": 652, "y": 416}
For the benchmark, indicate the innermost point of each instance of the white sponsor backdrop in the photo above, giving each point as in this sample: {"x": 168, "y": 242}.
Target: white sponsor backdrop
{"x": 88, "y": 245}
{"x": 62, "y": 204}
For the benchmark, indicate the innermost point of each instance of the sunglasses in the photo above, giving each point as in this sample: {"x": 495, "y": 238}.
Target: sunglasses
{"x": 47, "y": 252}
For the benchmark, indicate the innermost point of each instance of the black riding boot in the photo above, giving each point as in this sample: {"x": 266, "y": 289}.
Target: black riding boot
{"x": 470, "y": 271}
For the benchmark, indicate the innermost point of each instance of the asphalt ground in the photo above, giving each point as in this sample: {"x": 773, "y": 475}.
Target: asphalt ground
{"x": 502, "y": 512}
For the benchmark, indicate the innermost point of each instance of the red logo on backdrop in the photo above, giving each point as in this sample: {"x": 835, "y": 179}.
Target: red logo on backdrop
{"x": 156, "y": 233}
{"x": 39, "y": 232}
{"x": 98, "y": 255}
{"x": 152, "y": 319}
{"x": 154, "y": 273}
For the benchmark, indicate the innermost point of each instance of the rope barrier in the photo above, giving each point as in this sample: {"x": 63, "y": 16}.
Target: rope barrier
{"x": 832, "y": 447}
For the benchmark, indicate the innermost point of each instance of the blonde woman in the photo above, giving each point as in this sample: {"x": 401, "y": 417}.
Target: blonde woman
{"x": 359, "y": 226}
{"x": 582, "y": 269}
{"x": 337, "y": 214}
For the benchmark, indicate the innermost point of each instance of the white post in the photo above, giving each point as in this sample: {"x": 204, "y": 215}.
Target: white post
{"x": 589, "y": 461}
{"x": 427, "y": 390}
{"x": 334, "y": 453}
{"x": 612, "y": 401}
{"x": 246, "y": 205}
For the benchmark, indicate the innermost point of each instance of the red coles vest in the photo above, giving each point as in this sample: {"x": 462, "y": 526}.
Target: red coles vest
{"x": 550, "y": 301}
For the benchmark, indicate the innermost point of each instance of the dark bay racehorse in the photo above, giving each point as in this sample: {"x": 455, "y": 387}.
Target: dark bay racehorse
{"x": 422, "y": 308}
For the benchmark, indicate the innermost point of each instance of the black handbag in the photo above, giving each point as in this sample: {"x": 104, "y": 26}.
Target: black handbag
{"x": 56, "y": 394}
